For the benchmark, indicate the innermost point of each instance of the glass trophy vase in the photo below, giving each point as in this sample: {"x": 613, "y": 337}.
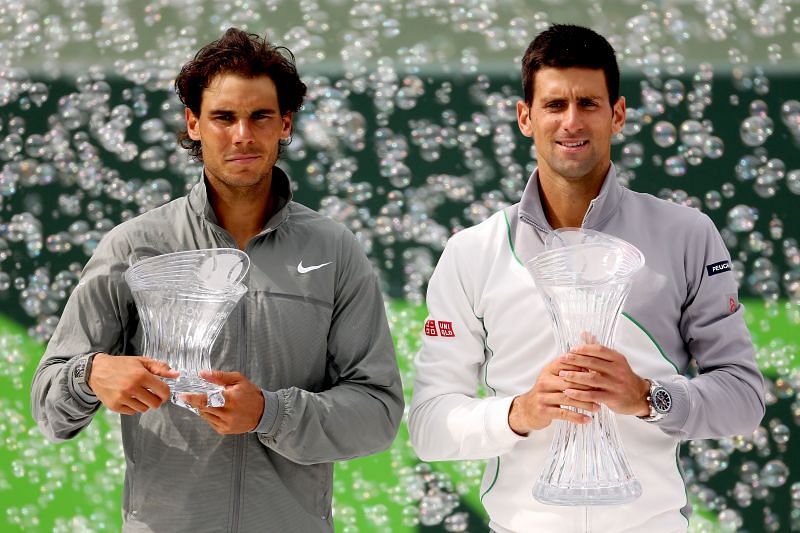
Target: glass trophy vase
{"x": 584, "y": 277}
{"x": 183, "y": 300}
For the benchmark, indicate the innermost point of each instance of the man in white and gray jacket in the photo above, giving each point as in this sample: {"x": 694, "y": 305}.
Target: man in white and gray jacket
{"x": 488, "y": 326}
{"x": 306, "y": 358}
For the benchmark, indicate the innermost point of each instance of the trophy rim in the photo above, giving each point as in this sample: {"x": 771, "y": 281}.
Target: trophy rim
{"x": 199, "y": 251}
{"x": 634, "y": 257}
{"x": 164, "y": 278}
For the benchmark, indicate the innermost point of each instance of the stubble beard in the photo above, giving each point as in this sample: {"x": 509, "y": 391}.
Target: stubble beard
{"x": 573, "y": 170}
{"x": 234, "y": 183}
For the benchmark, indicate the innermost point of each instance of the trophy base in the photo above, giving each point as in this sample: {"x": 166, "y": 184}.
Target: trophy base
{"x": 575, "y": 496}
{"x": 194, "y": 384}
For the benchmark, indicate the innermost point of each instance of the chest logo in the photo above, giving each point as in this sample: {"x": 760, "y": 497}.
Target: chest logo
{"x": 306, "y": 269}
{"x": 718, "y": 268}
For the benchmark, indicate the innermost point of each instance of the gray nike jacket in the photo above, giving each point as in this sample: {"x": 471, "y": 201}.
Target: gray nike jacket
{"x": 316, "y": 340}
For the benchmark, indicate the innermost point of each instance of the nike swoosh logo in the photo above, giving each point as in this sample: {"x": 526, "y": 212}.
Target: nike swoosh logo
{"x": 303, "y": 270}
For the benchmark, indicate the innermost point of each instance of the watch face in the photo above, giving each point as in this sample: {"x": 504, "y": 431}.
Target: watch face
{"x": 662, "y": 401}
{"x": 79, "y": 370}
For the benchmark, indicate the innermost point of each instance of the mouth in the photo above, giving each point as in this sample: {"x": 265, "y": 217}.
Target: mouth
{"x": 242, "y": 158}
{"x": 572, "y": 144}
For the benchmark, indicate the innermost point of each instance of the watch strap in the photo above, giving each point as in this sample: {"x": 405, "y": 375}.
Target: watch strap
{"x": 81, "y": 372}
{"x": 654, "y": 414}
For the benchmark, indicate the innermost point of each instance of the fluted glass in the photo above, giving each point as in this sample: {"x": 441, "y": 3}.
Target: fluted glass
{"x": 584, "y": 277}
{"x": 183, "y": 300}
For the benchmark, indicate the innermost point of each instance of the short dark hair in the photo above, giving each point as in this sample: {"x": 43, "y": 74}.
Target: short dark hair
{"x": 244, "y": 54}
{"x": 568, "y": 45}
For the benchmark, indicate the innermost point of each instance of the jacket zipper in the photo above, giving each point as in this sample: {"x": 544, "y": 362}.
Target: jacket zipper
{"x": 240, "y": 448}
{"x": 533, "y": 223}
{"x": 540, "y": 228}
{"x": 240, "y": 440}
{"x": 239, "y": 443}
{"x": 591, "y": 205}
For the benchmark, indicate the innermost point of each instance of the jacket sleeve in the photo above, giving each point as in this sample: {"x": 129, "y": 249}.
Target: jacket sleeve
{"x": 727, "y": 396}
{"x": 448, "y": 420}
{"x": 93, "y": 321}
{"x": 361, "y": 412}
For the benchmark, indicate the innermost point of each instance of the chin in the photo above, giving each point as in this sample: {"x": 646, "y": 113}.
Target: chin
{"x": 245, "y": 182}
{"x": 575, "y": 173}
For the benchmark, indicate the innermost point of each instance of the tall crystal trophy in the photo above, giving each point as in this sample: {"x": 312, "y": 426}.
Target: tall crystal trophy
{"x": 183, "y": 299}
{"x": 584, "y": 277}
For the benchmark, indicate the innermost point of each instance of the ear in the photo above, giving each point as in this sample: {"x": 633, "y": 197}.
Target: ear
{"x": 524, "y": 119}
{"x": 286, "y": 125}
{"x": 192, "y": 125}
{"x": 618, "y": 115}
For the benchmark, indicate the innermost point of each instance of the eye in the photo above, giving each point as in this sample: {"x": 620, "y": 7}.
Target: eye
{"x": 554, "y": 105}
{"x": 588, "y": 103}
{"x": 262, "y": 115}
{"x": 223, "y": 117}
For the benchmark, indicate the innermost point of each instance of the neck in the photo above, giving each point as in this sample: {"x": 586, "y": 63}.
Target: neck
{"x": 565, "y": 201}
{"x": 242, "y": 211}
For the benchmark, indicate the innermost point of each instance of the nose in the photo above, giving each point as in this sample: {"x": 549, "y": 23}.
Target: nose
{"x": 571, "y": 120}
{"x": 242, "y": 132}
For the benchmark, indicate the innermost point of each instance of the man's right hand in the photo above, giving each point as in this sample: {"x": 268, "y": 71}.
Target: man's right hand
{"x": 129, "y": 385}
{"x": 538, "y": 407}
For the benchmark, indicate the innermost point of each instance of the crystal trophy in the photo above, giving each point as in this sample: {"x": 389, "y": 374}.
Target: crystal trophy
{"x": 584, "y": 277}
{"x": 183, "y": 299}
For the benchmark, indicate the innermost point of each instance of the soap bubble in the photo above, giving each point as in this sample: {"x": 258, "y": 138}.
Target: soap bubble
{"x": 774, "y": 473}
{"x": 755, "y": 130}
{"x": 692, "y": 133}
{"x": 664, "y": 134}
{"x": 793, "y": 181}
{"x": 675, "y": 166}
{"x": 742, "y": 218}
{"x": 674, "y": 92}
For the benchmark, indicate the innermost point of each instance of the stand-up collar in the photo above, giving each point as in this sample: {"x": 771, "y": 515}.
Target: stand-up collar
{"x": 600, "y": 208}
{"x": 281, "y": 190}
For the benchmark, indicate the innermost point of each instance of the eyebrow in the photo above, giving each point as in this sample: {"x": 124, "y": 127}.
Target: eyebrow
{"x": 224, "y": 111}
{"x": 564, "y": 98}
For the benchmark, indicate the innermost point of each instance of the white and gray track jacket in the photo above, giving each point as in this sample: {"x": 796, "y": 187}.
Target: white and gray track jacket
{"x": 316, "y": 341}
{"x": 488, "y": 324}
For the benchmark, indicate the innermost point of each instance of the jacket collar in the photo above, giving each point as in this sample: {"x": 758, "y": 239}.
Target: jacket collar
{"x": 600, "y": 208}
{"x": 281, "y": 189}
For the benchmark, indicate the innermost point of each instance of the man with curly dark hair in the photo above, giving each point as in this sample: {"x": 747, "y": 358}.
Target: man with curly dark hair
{"x": 306, "y": 359}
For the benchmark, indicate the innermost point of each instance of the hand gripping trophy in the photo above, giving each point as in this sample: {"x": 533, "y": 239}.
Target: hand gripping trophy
{"x": 584, "y": 277}
{"x": 183, "y": 299}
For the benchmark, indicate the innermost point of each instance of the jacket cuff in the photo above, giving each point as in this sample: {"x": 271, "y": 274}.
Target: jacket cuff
{"x": 674, "y": 422}
{"x": 81, "y": 392}
{"x": 496, "y": 423}
{"x": 269, "y": 419}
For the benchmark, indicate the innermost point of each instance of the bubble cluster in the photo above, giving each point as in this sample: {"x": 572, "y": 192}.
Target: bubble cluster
{"x": 759, "y": 461}
{"x": 407, "y": 136}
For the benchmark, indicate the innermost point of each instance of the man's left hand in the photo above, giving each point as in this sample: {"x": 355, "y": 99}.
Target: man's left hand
{"x": 610, "y": 377}
{"x": 244, "y": 403}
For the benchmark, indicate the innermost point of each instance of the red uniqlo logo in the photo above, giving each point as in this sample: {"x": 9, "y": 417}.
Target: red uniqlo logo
{"x": 430, "y": 328}
{"x": 446, "y": 329}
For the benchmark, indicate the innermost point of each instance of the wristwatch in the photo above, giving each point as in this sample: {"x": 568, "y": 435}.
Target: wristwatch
{"x": 660, "y": 402}
{"x": 81, "y": 372}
